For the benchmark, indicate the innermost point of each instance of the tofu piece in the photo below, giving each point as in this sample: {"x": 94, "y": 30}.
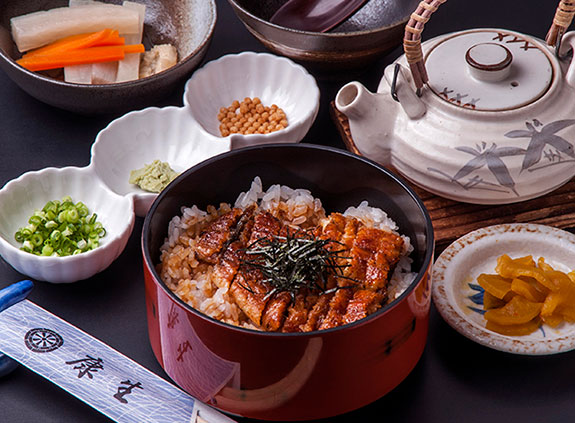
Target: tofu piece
{"x": 157, "y": 59}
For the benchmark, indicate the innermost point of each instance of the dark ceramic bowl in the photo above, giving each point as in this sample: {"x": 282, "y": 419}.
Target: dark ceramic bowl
{"x": 298, "y": 376}
{"x": 367, "y": 35}
{"x": 188, "y": 25}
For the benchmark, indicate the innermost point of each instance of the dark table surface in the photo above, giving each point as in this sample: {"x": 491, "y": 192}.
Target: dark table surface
{"x": 455, "y": 380}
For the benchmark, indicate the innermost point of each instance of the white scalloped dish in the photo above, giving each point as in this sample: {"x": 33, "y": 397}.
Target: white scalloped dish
{"x": 273, "y": 79}
{"x": 454, "y": 283}
{"x": 186, "y": 136}
{"x": 19, "y": 199}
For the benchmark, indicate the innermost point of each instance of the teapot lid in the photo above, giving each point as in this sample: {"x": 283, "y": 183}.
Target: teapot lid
{"x": 489, "y": 70}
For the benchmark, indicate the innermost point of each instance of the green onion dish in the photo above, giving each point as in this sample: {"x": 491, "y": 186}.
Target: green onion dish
{"x": 61, "y": 228}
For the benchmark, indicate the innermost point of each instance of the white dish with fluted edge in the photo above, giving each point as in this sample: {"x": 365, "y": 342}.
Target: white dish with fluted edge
{"x": 19, "y": 199}
{"x": 455, "y": 290}
{"x": 273, "y": 79}
{"x": 186, "y": 136}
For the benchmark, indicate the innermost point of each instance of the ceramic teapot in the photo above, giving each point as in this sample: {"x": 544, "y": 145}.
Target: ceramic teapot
{"x": 482, "y": 116}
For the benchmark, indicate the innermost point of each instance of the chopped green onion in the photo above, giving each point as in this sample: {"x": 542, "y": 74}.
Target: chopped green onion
{"x": 47, "y": 250}
{"x": 36, "y": 239}
{"x": 82, "y": 209}
{"x": 35, "y": 220}
{"x": 26, "y": 233}
{"x": 61, "y": 228}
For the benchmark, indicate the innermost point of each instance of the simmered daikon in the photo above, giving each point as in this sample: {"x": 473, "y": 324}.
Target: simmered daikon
{"x": 40, "y": 28}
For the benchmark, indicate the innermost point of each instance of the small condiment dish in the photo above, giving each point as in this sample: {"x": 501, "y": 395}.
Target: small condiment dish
{"x": 19, "y": 199}
{"x": 272, "y": 79}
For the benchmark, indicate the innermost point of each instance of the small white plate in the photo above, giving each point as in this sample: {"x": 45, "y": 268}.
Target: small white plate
{"x": 455, "y": 283}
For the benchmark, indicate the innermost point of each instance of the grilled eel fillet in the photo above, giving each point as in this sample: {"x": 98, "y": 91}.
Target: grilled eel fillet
{"x": 367, "y": 263}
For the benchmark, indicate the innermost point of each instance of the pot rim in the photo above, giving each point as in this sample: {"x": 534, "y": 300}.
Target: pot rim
{"x": 334, "y": 35}
{"x": 424, "y": 270}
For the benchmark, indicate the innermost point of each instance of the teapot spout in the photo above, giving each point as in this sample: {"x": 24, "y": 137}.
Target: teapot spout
{"x": 371, "y": 118}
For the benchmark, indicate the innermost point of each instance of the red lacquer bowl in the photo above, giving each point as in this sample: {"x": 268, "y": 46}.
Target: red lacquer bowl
{"x": 303, "y": 376}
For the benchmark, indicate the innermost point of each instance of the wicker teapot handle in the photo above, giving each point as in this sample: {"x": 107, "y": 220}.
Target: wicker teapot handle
{"x": 414, "y": 28}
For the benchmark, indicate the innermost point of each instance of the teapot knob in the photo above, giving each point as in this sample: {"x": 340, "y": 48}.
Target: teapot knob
{"x": 489, "y": 62}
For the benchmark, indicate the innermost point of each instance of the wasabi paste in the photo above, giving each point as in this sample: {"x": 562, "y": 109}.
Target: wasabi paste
{"x": 153, "y": 177}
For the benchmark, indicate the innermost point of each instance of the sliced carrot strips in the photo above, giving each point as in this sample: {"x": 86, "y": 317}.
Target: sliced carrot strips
{"x": 104, "y": 37}
{"x": 113, "y": 39}
{"x": 134, "y": 48}
{"x": 79, "y": 56}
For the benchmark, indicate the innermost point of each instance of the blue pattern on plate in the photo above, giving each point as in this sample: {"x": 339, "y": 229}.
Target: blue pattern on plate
{"x": 476, "y": 298}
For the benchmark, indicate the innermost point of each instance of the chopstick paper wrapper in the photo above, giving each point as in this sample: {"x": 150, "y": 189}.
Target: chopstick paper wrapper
{"x": 87, "y": 368}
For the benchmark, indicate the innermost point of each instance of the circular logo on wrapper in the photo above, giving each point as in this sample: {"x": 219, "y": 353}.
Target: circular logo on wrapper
{"x": 43, "y": 340}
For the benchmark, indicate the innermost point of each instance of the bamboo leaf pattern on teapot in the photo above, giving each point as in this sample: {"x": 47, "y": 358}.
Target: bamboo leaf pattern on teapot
{"x": 539, "y": 139}
{"x": 492, "y": 157}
